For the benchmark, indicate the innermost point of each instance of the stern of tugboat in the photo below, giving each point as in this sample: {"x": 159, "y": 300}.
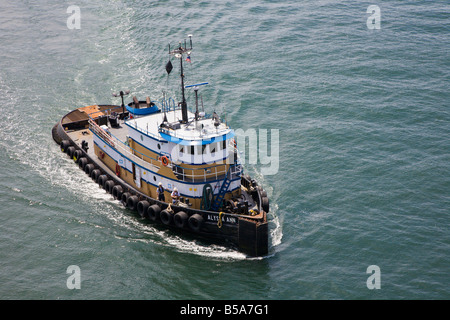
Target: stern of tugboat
{"x": 253, "y": 237}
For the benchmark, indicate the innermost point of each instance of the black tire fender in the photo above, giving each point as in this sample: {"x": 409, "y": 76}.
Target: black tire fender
{"x": 117, "y": 191}
{"x": 77, "y": 155}
{"x": 102, "y": 179}
{"x": 124, "y": 198}
{"x": 153, "y": 212}
{"x": 70, "y": 151}
{"x": 132, "y": 202}
{"x": 82, "y": 162}
{"x": 195, "y": 222}
{"x": 265, "y": 203}
{"x": 142, "y": 208}
{"x": 262, "y": 192}
{"x": 166, "y": 217}
{"x": 95, "y": 174}
{"x": 180, "y": 219}
{"x": 108, "y": 185}
{"x": 88, "y": 168}
{"x": 64, "y": 145}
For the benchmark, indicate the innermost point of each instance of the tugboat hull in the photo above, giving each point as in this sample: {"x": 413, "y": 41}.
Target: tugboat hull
{"x": 246, "y": 232}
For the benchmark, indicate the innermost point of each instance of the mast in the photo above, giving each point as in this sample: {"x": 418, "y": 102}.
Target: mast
{"x": 178, "y": 53}
{"x": 183, "y": 101}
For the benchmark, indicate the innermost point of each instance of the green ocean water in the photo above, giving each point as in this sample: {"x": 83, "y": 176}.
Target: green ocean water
{"x": 364, "y": 139}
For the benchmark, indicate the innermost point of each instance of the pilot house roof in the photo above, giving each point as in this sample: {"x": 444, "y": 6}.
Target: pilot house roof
{"x": 200, "y": 132}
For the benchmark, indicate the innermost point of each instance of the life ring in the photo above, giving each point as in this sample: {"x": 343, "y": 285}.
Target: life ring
{"x": 164, "y": 161}
{"x": 117, "y": 170}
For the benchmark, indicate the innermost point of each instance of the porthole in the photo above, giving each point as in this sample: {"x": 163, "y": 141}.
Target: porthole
{"x": 159, "y": 146}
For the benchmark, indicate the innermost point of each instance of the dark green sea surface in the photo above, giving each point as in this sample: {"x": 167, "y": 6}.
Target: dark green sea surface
{"x": 364, "y": 147}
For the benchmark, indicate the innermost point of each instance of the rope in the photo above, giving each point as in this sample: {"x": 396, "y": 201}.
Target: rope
{"x": 219, "y": 223}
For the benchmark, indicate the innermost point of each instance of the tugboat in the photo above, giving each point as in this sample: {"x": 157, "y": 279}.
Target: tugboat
{"x": 174, "y": 167}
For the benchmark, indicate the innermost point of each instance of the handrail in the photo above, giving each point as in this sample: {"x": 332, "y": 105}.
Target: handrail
{"x": 234, "y": 170}
{"x": 166, "y": 104}
{"x": 145, "y": 131}
{"x": 200, "y": 136}
{"x": 102, "y": 133}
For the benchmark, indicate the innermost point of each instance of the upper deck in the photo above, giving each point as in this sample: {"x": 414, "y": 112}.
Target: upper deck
{"x": 167, "y": 126}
